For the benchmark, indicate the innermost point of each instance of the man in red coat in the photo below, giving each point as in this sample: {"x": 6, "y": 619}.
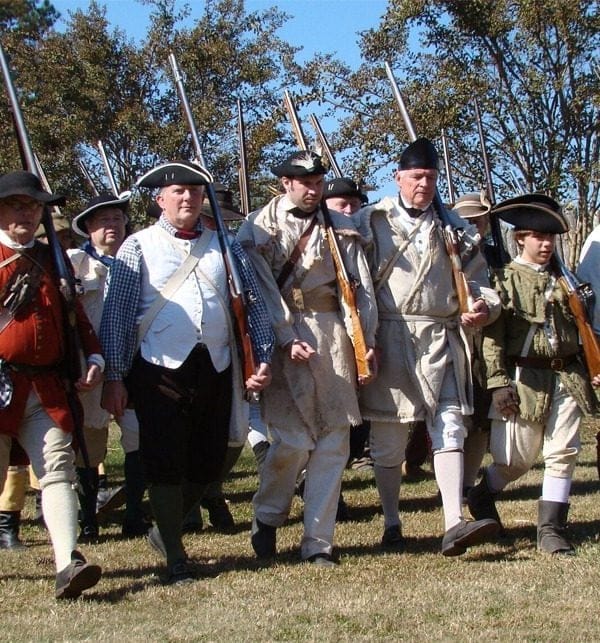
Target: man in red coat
{"x": 34, "y": 404}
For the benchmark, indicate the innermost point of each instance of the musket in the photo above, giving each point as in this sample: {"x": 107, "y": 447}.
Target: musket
{"x": 346, "y": 283}
{"x": 243, "y": 168}
{"x": 500, "y": 255}
{"x": 66, "y": 280}
{"x": 301, "y": 140}
{"x": 463, "y": 292}
{"x": 88, "y": 178}
{"x": 451, "y": 193}
{"x": 581, "y": 300}
{"x": 109, "y": 173}
{"x": 325, "y": 146}
{"x": 237, "y": 295}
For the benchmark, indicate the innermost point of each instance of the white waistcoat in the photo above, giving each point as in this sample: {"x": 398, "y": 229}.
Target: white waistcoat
{"x": 195, "y": 313}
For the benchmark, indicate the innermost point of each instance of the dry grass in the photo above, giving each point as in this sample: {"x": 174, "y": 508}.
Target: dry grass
{"x": 493, "y": 592}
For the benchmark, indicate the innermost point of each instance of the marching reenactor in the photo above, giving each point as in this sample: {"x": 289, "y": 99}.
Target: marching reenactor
{"x": 167, "y": 329}
{"x": 424, "y": 372}
{"x": 34, "y": 405}
{"x": 540, "y": 388}
{"x": 312, "y": 402}
{"x": 103, "y": 224}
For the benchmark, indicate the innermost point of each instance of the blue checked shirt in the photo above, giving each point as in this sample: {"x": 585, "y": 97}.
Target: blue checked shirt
{"x": 118, "y": 330}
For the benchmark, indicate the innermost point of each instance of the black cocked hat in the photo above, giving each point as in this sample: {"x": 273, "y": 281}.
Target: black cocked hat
{"x": 535, "y": 211}
{"x": 303, "y": 163}
{"x": 22, "y": 183}
{"x": 175, "y": 173}
{"x": 342, "y": 186}
{"x": 420, "y": 154}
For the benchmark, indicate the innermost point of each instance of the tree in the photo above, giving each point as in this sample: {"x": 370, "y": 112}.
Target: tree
{"x": 530, "y": 64}
{"x": 90, "y": 83}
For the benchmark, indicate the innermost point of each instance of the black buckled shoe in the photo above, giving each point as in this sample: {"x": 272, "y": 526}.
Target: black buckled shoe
{"x": 135, "y": 528}
{"x": 467, "y": 533}
{"x": 76, "y": 577}
{"x": 322, "y": 560}
{"x": 393, "y": 540}
{"x": 263, "y": 539}
{"x": 342, "y": 513}
{"x": 179, "y": 573}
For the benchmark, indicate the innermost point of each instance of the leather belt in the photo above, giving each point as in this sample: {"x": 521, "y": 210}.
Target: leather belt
{"x": 551, "y": 363}
{"x": 30, "y": 370}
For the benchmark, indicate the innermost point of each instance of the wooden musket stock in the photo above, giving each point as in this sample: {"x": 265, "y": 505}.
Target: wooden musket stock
{"x": 347, "y": 286}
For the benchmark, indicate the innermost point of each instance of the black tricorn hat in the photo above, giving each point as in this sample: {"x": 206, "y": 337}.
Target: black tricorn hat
{"x": 420, "y": 154}
{"x": 21, "y": 183}
{"x": 533, "y": 212}
{"x": 103, "y": 200}
{"x": 303, "y": 163}
{"x": 175, "y": 173}
{"x": 472, "y": 205}
{"x": 342, "y": 186}
{"x": 225, "y": 201}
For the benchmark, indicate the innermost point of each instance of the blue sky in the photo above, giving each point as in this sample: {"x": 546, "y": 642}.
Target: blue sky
{"x": 326, "y": 26}
{"x": 329, "y": 26}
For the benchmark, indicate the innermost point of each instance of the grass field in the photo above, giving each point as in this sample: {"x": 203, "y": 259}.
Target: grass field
{"x": 494, "y": 592}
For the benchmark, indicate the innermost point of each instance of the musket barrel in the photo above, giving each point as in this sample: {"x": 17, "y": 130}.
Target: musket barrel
{"x": 26, "y": 148}
{"x": 243, "y": 169}
{"x": 108, "y": 169}
{"x": 325, "y": 145}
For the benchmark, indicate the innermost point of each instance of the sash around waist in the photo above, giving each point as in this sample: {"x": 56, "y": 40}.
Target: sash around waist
{"x": 322, "y": 305}
{"x": 450, "y": 322}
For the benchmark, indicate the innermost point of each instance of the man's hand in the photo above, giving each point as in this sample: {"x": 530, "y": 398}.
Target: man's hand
{"x": 505, "y": 401}
{"x": 477, "y": 317}
{"x": 114, "y": 398}
{"x": 259, "y": 380}
{"x": 596, "y": 381}
{"x": 372, "y": 362}
{"x": 90, "y": 380}
{"x": 301, "y": 351}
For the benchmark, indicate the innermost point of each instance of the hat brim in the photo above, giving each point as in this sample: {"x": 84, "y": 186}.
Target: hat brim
{"x": 175, "y": 173}
{"x": 532, "y": 212}
{"x": 43, "y": 197}
{"x": 78, "y": 223}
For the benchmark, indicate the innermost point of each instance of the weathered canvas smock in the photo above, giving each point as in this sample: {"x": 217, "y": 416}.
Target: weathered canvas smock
{"x": 319, "y": 393}
{"x": 311, "y": 404}
{"x": 419, "y": 335}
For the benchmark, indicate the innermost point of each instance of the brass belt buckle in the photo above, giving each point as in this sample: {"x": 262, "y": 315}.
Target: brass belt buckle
{"x": 557, "y": 363}
{"x": 298, "y": 298}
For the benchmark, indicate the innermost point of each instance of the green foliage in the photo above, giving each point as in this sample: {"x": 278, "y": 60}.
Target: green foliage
{"x": 90, "y": 82}
{"x": 530, "y": 64}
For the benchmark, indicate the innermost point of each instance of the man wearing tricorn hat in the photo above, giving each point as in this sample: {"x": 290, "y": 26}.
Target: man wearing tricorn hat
{"x": 34, "y": 407}
{"x": 539, "y": 385}
{"x": 103, "y": 223}
{"x": 312, "y": 400}
{"x": 424, "y": 371}
{"x": 167, "y": 328}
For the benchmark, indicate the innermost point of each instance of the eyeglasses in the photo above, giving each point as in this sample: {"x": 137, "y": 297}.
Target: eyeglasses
{"x": 22, "y": 205}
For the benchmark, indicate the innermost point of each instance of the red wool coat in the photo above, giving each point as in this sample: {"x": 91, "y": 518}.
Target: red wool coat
{"x": 36, "y": 337}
